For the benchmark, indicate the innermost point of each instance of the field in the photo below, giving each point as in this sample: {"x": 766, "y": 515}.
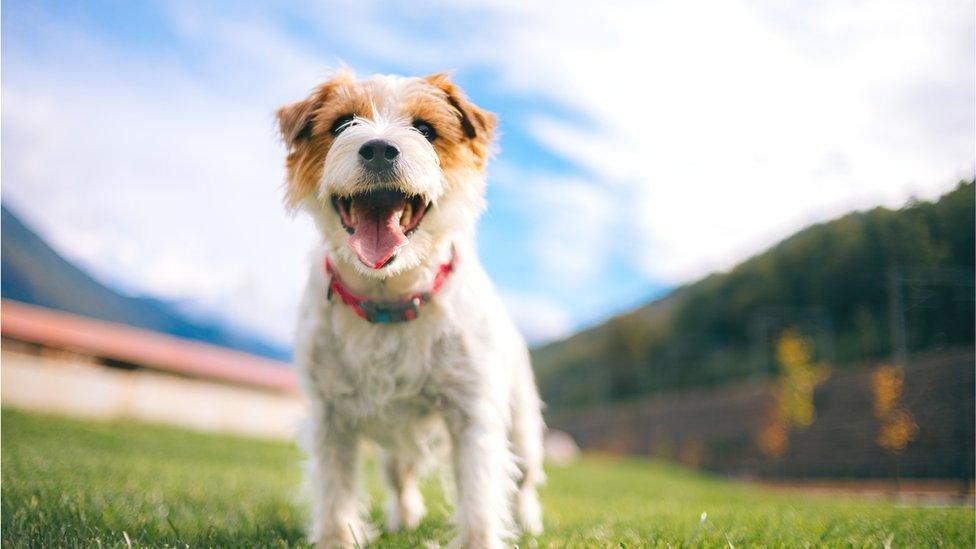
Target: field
{"x": 71, "y": 483}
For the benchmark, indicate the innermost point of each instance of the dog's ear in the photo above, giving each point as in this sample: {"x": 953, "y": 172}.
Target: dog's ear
{"x": 477, "y": 124}
{"x": 295, "y": 120}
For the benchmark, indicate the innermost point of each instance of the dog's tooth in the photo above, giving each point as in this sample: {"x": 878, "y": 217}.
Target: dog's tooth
{"x": 353, "y": 216}
{"x": 407, "y": 214}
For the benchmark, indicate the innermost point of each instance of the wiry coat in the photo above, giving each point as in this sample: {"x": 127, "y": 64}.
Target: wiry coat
{"x": 460, "y": 370}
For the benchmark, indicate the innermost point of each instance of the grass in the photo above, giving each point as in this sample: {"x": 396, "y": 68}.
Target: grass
{"x": 72, "y": 483}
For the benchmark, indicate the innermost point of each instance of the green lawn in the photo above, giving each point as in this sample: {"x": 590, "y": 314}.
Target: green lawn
{"x": 71, "y": 483}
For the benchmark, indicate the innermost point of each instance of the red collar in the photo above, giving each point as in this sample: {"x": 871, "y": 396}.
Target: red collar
{"x": 384, "y": 312}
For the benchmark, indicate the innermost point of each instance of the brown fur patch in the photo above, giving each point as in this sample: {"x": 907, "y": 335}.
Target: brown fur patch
{"x": 306, "y": 129}
{"x": 477, "y": 124}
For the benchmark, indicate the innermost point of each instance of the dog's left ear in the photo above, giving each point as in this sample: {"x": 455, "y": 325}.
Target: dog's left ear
{"x": 477, "y": 124}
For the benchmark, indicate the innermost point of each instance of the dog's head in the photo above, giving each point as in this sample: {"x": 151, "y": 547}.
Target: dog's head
{"x": 388, "y": 166}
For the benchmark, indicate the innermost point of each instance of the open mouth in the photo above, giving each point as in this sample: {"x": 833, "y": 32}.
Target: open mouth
{"x": 379, "y": 222}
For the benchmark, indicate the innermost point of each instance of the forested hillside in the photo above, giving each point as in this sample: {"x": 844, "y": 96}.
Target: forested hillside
{"x": 836, "y": 282}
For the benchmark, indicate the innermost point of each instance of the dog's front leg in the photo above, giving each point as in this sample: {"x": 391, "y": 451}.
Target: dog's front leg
{"x": 334, "y": 470}
{"x": 483, "y": 466}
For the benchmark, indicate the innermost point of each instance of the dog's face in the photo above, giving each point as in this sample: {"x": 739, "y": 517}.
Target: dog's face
{"x": 387, "y": 166}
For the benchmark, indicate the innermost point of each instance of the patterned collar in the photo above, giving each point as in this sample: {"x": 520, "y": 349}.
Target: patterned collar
{"x": 387, "y": 312}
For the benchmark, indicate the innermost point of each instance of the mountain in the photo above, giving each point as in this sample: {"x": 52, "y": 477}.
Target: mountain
{"x": 836, "y": 282}
{"x": 32, "y": 272}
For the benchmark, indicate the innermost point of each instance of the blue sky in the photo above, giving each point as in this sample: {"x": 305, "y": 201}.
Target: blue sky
{"x": 642, "y": 145}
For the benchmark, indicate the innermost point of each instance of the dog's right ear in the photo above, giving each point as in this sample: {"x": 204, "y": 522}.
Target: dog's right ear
{"x": 295, "y": 120}
{"x": 306, "y": 146}
{"x": 296, "y": 123}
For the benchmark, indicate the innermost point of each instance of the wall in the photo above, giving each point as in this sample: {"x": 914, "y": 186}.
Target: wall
{"x": 71, "y": 385}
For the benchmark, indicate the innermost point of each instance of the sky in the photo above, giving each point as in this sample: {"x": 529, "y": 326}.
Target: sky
{"x": 643, "y": 144}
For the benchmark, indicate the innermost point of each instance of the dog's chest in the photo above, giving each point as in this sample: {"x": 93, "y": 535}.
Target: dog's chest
{"x": 372, "y": 373}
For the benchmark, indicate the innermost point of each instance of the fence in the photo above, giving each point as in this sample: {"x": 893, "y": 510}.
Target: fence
{"x": 720, "y": 429}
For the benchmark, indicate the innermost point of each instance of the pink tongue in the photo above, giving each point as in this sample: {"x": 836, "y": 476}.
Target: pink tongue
{"x": 377, "y": 235}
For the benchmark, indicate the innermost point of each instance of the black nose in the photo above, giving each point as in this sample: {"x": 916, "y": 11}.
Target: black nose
{"x": 378, "y": 155}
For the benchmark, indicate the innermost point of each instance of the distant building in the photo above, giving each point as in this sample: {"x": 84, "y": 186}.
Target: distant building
{"x": 62, "y": 363}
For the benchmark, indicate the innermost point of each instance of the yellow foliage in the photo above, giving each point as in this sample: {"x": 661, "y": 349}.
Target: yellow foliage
{"x": 898, "y": 427}
{"x": 798, "y": 378}
{"x": 774, "y": 438}
{"x": 886, "y": 383}
{"x": 897, "y": 431}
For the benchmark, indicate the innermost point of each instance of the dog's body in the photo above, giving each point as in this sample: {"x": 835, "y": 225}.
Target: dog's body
{"x": 392, "y": 171}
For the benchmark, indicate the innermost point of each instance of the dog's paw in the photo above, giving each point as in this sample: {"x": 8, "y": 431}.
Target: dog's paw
{"x": 529, "y": 511}
{"x": 354, "y": 534}
{"x": 406, "y": 513}
{"x": 412, "y": 515}
{"x": 478, "y": 541}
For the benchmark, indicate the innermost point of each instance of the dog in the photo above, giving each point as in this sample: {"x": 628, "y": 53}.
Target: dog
{"x": 401, "y": 337}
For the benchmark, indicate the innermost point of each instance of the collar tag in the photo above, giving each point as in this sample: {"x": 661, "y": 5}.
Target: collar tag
{"x": 385, "y": 312}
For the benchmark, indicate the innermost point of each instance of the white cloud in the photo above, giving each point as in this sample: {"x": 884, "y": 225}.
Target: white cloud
{"x": 733, "y": 129}
{"x": 539, "y": 319}
{"x": 572, "y": 224}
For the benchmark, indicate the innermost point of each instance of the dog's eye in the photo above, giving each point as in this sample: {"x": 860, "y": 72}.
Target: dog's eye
{"x": 425, "y": 130}
{"x": 342, "y": 123}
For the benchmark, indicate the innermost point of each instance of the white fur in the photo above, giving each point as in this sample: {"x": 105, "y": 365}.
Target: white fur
{"x": 460, "y": 371}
